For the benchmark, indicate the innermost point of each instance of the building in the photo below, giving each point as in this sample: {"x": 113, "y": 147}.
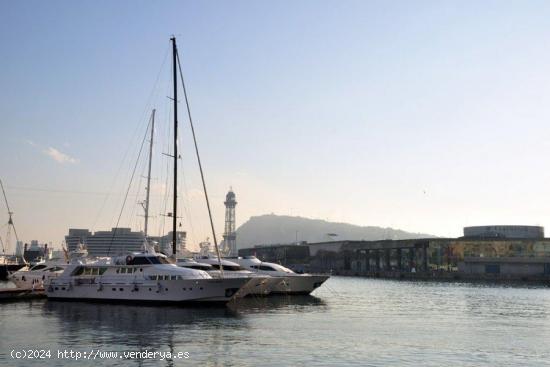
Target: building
{"x": 482, "y": 257}
{"x": 504, "y": 231}
{"x": 165, "y": 242}
{"x": 119, "y": 241}
{"x": 35, "y": 251}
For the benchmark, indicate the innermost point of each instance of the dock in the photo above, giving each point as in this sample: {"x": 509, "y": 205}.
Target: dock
{"x": 17, "y": 294}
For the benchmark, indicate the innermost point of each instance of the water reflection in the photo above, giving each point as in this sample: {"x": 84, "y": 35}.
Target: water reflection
{"x": 350, "y": 321}
{"x": 277, "y": 304}
{"x": 133, "y": 325}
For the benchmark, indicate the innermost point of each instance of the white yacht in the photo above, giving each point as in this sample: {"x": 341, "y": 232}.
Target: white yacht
{"x": 291, "y": 282}
{"x": 259, "y": 285}
{"x": 141, "y": 277}
{"x": 34, "y": 277}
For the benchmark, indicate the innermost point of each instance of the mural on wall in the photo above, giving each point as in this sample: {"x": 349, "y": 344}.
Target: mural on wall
{"x": 519, "y": 248}
{"x": 450, "y": 253}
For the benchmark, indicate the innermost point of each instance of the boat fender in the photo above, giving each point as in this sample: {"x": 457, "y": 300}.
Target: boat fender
{"x": 159, "y": 287}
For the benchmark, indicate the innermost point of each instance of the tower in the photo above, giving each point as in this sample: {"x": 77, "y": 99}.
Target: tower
{"x": 229, "y": 235}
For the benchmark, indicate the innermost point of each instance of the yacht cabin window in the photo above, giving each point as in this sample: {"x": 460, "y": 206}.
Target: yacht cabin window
{"x": 227, "y": 267}
{"x": 38, "y": 267}
{"x": 262, "y": 267}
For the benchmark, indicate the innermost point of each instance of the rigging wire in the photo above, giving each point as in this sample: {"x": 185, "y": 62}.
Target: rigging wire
{"x": 199, "y": 162}
{"x": 129, "y": 186}
{"x": 167, "y": 183}
{"x": 187, "y": 202}
{"x": 133, "y": 216}
{"x": 56, "y": 191}
{"x": 148, "y": 103}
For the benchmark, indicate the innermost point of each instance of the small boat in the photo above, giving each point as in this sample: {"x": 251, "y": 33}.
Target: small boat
{"x": 291, "y": 282}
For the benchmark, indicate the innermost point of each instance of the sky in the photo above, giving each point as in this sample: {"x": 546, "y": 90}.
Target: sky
{"x": 425, "y": 116}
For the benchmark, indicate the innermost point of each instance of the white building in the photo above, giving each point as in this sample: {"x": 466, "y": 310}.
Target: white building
{"x": 119, "y": 241}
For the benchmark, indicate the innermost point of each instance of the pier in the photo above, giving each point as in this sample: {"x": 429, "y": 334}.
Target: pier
{"x": 19, "y": 294}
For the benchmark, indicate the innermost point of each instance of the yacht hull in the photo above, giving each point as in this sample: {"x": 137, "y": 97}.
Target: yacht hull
{"x": 260, "y": 286}
{"x": 26, "y": 279}
{"x": 162, "y": 291}
{"x": 299, "y": 284}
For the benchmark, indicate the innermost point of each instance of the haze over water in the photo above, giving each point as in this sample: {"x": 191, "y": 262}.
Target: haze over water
{"x": 348, "y": 321}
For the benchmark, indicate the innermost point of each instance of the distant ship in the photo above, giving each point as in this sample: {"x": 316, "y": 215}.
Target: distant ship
{"x": 8, "y": 264}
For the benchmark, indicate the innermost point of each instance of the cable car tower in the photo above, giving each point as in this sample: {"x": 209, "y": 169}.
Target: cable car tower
{"x": 230, "y": 236}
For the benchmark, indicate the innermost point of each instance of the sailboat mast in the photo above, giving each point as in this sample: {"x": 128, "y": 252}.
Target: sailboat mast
{"x": 149, "y": 172}
{"x": 174, "y": 211}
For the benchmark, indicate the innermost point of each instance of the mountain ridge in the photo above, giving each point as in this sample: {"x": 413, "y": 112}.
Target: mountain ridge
{"x": 278, "y": 229}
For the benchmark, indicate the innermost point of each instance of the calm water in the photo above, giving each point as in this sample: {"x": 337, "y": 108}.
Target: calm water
{"x": 347, "y": 322}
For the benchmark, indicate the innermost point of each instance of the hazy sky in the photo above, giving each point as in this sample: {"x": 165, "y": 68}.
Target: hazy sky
{"x": 420, "y": 115}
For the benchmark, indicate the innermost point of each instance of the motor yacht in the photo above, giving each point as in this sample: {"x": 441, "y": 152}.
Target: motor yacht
{"x": 291, "y": 282}
{"x": 34, "y": 277}
{"x": 259, "y": 285}
{"x": 141, "y": 277}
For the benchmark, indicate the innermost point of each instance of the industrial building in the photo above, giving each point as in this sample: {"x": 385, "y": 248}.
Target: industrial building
{"x": 119, "y": 241}
{"x": 469, "y": 257}
{"x": 504, "y": 231}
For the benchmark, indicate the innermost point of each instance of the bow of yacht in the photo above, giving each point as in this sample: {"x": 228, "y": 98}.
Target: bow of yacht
{"x": 259, "y": 284}
{"x": 36, "y": 275}
{"x": 290, "y": 282}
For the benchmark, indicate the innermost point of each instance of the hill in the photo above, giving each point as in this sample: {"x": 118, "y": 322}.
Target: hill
{"x": 278, "y": 229}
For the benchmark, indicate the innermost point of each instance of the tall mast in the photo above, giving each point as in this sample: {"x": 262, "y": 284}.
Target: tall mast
{"x": 174, "y": 211}
{"x": 149, "y": 172}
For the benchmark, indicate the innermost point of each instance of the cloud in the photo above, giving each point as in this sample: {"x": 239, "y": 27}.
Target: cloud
{"x": 59, "y": 157}
{"x": 193, "y": 194}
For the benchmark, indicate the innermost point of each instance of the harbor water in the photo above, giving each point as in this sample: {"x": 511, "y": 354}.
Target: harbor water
{"x": 348, "y": 321}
